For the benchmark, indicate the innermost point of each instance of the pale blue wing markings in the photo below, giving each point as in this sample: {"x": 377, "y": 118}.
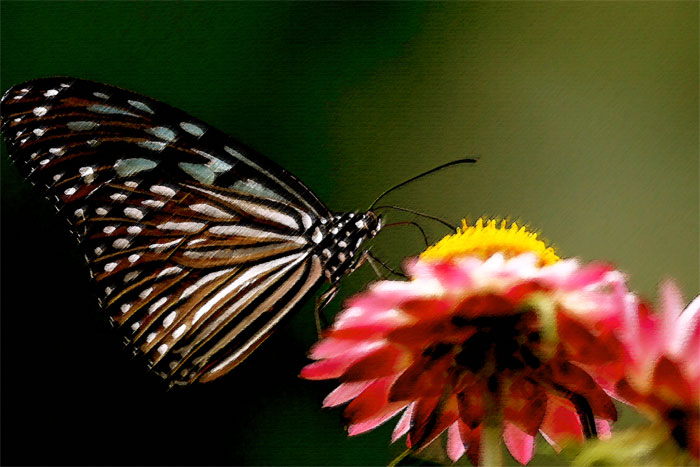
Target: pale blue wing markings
{"x": 162, "y": 132}
{"x": 140, "y": 105}
{"x": 192, "y": 129}
{"x": 199, "y": 172}
{"x": 129, "y": 167}
{"x": 106, "y": 109}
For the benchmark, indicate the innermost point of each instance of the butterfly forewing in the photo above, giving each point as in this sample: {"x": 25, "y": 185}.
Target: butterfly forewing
{"x": 198, "y": 244}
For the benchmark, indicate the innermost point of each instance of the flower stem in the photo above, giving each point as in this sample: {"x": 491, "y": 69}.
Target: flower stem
{"x": 399, "y": 458}
{"x": 491, "y": 452}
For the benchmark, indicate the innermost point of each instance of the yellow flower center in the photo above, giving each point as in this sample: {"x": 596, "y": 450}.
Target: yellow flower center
{"x": 486, "y": 238}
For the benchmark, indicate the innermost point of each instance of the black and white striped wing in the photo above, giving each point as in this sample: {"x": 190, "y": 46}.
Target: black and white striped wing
{"x": 199, "y": 245}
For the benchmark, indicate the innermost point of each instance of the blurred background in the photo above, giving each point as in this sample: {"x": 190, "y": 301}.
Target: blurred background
{"x": 584, "y": 115}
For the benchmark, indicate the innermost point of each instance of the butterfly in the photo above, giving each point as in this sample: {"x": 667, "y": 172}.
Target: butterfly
{"x": 199, "y": 245}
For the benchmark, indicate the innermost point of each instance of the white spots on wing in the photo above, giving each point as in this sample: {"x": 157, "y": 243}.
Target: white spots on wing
{"x": 57, "y": 177}
{"x": 57, "y": 151}
{"x": 51, "y": 93}
{"x": 88, "y": 174}
{"x": 342, "y": 257}
{"x": 182, "y": 226}
{"x": 152, "y": 145}
{"x": 211, "y": 211}
{"x": 145, "y": 293}
{"x": 92, "y": 143}
{"x": 66, "y": 85}
{"x": 342, "y": 244}
{"x": 134, "y": 213}
{"x": 195, "y": 241}
{"x": 131, "y": 276}
{"x": 24, "y": 140}
{"x": 82, "y": 125}
{"x": 108, "y": 110}
{"x": 305, "y": 220}
{"x": 101, "y": 211}
{"x": 39, "y": 131}
{"x": 162, "y": 348}
{"x": 135, "y": 326}
{"x": 118, "y": 196}
{"x": 101, "y": 95}
{"x": 44, "y": 162}
{"x": 85, "y": 171}
{"x": 129, "y": 167}
{"x": 99, "y": 250}
{"x": 199, "y": 172}
{"x": 70, "y": 191}
{"x": 179, "y": 331}
{"x": 34, "y": 155}
{"x": 79, "y": 212}
{"x": 125, "y": 307}
{"x": 121, "y": 243}
{"x": 334, "y": 230}
{"x": 40, "y": 111}
{"x": 162, "y": 132}
{"x": 134, "y": 229}
{"x": 169, "y": 271}
{"x": 17, "y": 120}
{"x": 160, "y": 247}
{"x": 141, "y": 106}
{"x": 159, "y": 303}
{"x": 109, "y": 290}
{"x": 109, "y": 229}
{"x": 360, "y": 224}
{"x": 150, "y": 337}
{"x": 169, "y": 319}
{"x": 133, "y": 258}
{"x": 326, "y": 252}
{"x": 131, "y": 184}
{"x": 192, "y": 129}
{"x": 317, "y": 236}
{"x": 109, "y": 267}
{"x": 153, "y": 203}
{"x": 163, "y": 190}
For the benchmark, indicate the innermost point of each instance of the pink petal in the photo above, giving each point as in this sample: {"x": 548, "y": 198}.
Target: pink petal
{"x": 455, "y": 445}
{"x": 331, "y": 347}
{"x": 687, "y": 339}
{"x": 603, "y": 428}
{"x": 404, "y": 423}
{"x": 560, "y": 425}
{"x": 335, "y": 367}
{"x": 587, "y": 275}
{"x": 370, "y": 424}
{"x": 345, "y": 392}
{"x": 520, "y": 444}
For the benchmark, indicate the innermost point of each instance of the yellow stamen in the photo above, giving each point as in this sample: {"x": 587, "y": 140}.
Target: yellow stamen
{"x": 486, "y": 238}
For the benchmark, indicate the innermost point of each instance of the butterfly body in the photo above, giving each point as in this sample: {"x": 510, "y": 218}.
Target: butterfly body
{"x": 198, "y": 244}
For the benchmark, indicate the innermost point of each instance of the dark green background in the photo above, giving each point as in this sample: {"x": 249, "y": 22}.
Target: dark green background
{"x": 585, "y": 116}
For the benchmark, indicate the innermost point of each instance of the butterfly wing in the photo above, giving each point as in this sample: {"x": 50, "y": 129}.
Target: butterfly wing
{"x": 199, "y": 244}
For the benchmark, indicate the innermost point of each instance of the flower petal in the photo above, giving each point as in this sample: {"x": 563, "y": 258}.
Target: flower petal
{"x": 344, "y": 393}
{"x": 384, "y": 361}
{"x": 519, "y": 444}
{"x": 455, "y": 445}
{"x": 561, "y": 425}
{"x": 404, "y": 423}
{"x": 577, "y": 380}
{"x": 431, "y": 417}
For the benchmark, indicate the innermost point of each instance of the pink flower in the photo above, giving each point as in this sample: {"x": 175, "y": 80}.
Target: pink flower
{"x": 663, "y": 377}
{"x": 477, "y": 340}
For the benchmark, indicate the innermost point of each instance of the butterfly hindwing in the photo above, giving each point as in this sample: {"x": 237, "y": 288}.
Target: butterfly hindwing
{"x": 198, "y": 244}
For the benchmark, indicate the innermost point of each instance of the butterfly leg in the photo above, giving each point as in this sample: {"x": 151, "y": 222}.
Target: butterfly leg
{"x": 321, "y": 303}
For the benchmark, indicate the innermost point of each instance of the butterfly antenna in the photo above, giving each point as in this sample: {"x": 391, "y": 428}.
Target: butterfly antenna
{"x": 421, "y": 175}
{"x": 386, "y": 266}
{"x": 418, "y": 213}
{"x": 415, "y": 224}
